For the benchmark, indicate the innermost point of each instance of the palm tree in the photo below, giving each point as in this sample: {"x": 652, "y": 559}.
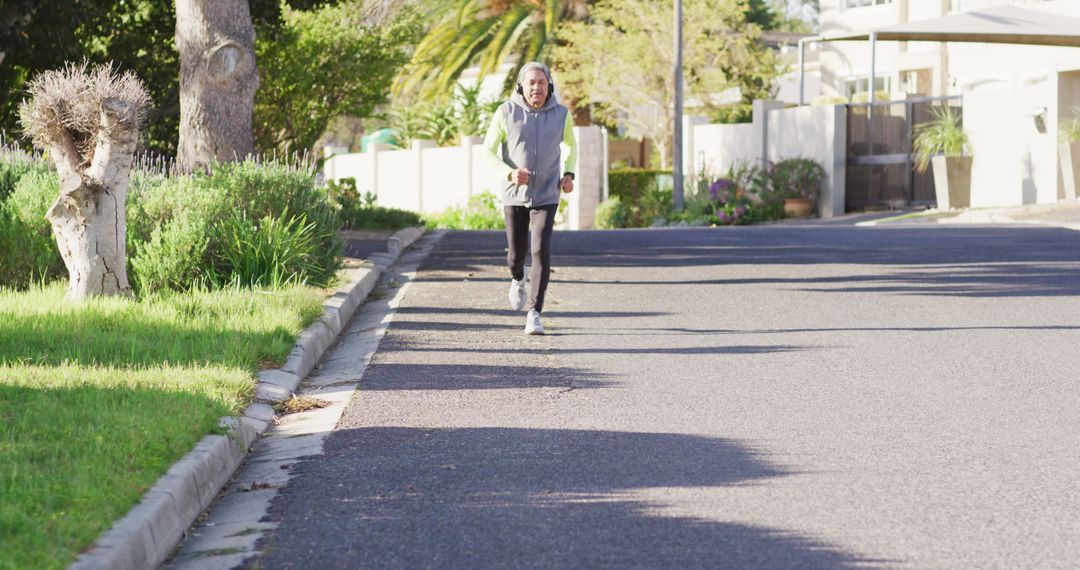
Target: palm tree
{"x": 484, "y": 33}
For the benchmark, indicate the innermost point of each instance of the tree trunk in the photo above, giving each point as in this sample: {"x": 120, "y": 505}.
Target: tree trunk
{"x": 88, "y": 217}
{"x": 663, "y": 146}
{"x": 218, "y": 80}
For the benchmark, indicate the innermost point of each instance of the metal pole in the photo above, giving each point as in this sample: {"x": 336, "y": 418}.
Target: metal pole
{"x": 677, "y": 166}
{"x": 870, "y": 100}
{"x": 873, "y": 65}
{"x": 802, "y": 70}
{"x": 606, "y": 166}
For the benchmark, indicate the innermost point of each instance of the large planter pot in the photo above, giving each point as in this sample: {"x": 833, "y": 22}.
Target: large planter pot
{"x": 1070, "y": 168}
{"x": 952, "y": 181}
{"x": 798, "y": 207}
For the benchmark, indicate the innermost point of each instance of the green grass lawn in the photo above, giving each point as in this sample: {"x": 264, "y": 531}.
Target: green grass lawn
{"x": 98, "y": 399}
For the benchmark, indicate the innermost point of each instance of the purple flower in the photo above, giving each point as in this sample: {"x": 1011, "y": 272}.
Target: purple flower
{"x": 720, "y": 185}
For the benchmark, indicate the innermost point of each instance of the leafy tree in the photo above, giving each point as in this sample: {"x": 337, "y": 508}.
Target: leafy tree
{"x": 483, "y": 32}
{"x": 337, "y": 60}
{"x": 136, "y": 35}
{"x": 622, "y": 61}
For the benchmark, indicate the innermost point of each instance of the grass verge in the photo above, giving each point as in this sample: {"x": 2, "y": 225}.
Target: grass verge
{"x": 98, "y": 399}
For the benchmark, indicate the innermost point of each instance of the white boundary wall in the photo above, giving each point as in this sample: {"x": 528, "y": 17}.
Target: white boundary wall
{"x": 430, "y": 179}
{"x": 1013, "y": 135}
{"x": 818, "y": 132}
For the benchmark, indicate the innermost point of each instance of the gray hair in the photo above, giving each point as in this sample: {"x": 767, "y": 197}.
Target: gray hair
{"x": 535, "y": 65}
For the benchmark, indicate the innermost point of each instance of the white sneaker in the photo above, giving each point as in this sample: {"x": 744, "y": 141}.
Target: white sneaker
{"x": 533, "y": 324}
{"x": 518, "y": 294}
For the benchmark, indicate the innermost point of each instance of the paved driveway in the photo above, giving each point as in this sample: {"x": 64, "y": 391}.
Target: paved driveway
{"x": 773, "y": 397}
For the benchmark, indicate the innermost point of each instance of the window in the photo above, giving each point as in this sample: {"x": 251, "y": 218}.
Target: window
{"x": 916, "y": 81}
{"x": 862, "y": 3}
{"x": 855, "y": 85}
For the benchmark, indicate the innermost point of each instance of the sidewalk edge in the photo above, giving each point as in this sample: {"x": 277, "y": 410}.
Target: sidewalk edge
{"x": 144, "y": 537}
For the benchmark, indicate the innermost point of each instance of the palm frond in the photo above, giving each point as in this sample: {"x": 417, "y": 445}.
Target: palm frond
{"x": 480, "y": 32}
{"x": 552, "y": 14}
{"x": 510, "y": 28}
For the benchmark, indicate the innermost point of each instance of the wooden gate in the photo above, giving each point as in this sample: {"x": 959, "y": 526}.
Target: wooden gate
{"x": 880, "y": 172}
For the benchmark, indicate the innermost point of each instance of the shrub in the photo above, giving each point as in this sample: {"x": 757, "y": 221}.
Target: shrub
{"x": 861, "y": 96}
{"x": 611, "y": 213}
{"x": 483, "y": 212}
{"x": 183, "y": 230}
{"x": 14, "y": 164}
{"x": 362, "y": 213}
{"x": 652, "y": 206}
{"x": 267, "y": 190}
{"x": 177, "y": 225}
{"x": 169, "y": 225}
{"x": 797, "y": 178}
{"x": 733, "y": 113}
{"x": 746, "y": 194}
{"x": 630, "y": 184}
{"x": 643, "y": 197}
{"x": 28, "y": 253}
{"x": 31, "y": 198}
{"x": 830, "y": 100}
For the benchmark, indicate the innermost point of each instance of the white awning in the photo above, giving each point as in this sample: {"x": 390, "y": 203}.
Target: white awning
{"x": 1002, "y": 24}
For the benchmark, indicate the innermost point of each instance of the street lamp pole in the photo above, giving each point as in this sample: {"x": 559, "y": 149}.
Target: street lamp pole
{"x": 677, "y": 161}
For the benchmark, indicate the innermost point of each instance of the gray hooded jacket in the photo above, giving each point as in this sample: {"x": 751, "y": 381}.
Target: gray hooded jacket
{"x": 523, "y": 137}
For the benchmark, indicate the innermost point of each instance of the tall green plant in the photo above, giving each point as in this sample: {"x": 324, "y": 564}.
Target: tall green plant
{"x": 1069, "y": 130}
{"x": 474, "y": 114}
{"x": 272, "y": 252}
{"x": 441, "y": 123}
{"x": 942, "y": 135}
{"x": 445, "y": 119}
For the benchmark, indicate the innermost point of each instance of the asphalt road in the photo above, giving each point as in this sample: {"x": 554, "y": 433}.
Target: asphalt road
{"x": 765, "y": 397}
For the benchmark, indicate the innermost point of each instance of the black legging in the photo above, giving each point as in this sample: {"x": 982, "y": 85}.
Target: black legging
{"x": 520, "y": 223}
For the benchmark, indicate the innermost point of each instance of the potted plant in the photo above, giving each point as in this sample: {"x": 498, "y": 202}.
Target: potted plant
{"x": 1069, "y": 153}
{"x": 798, "y": 182}
{"x": 943, "y": 142}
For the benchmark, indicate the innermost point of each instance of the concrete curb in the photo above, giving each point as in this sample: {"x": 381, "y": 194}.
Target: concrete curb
{"x": 971, "y": 217}
{"x": 146, "y": 535}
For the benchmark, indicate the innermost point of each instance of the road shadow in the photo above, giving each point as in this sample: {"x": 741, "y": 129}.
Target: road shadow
{"x": 401, "y": 376}
{"x": 427, "y": 310}
{"x": 394, "y": 497}
{"x": 734, "y": 349}
{"x": 960, "y": 262}
{"x": 680, "y": 331}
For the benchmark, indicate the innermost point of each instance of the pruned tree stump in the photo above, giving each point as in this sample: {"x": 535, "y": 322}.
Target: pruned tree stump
{"x": 88, "y": 121}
